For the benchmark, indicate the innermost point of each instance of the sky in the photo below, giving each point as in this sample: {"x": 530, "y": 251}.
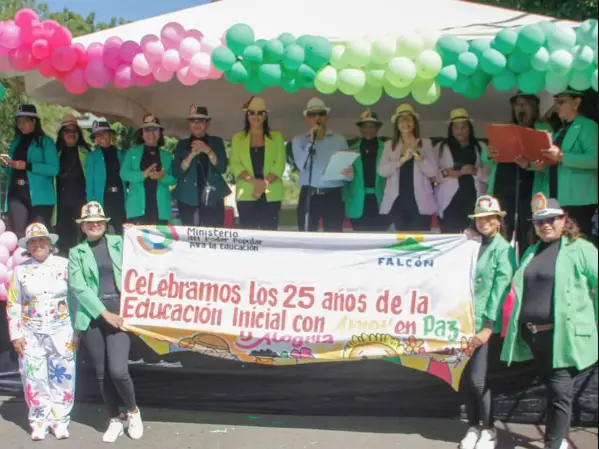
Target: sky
{"x": 127, "y": 9}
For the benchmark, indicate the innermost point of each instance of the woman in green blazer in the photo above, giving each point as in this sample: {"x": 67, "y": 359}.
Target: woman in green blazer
{"x": 94, "y": 283}
{"x": 148, "y": 171}
{"x": 573, "y": 178}
{"x": 554, "y": 319}
{"x": 493, "y": 275}
{"x": 363, "y": 194}
{"x": 258, "y": 160}
{"x": 30, "y": 167}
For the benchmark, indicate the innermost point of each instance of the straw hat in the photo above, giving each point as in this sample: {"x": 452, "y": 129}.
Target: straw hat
{"x": 92, "y": 211}
{"x": 367, "y": 116}
{"x": 149, "y": 121}
{"x": 34, "y": 231}
{"x": 405, "y": 109}
{"x": 68, "y": 120}
{"x": 543, "y": 208}
{"x": 487, "y": 206}
{"x": 255, "y": 104}
{"x": 459, "y": 115}
{"x": 316, "y": 105}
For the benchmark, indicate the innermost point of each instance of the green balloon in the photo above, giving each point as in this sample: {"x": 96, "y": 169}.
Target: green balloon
{"x": 253, "y": 56}
{"x": 531, "y": 82}
{"x": 254, "y": 85}
{"x": 290, "y": 83}
{"x": 326, "y": 80}
{"x": 287, "y": 39}
{"x": 270, "y": 74}
{"x": 401, "y": 72}
{"x": 2, "y": 92}
{"x": 304, "y": 41}
{"x": 306, "y": 76}
{"x": 426, "y": 92}
{"x": 357, "y": 53}
{"x": 274, "y": 51}
{"x": 462, "y": 85}
{"x": 238, "y": 37}
{"x": 480, "y": 79}
{"x": 261, "y": 43}
{"x": 428, "y": 64}
{"x": 518, "y": 62}
{"x": 467, "y": 63}
{"x": 562, "y": 38}
{"x": 450, "y": 47}
{"x": 530, "y": 39}
{"x": 583, "y": 57}
{"x": 555, "y": 83}
{"x": 447, "y": 76}
{"x": 561, "y": 62}
{"x": 594, "y": 80}
{"x": 548, "y": 27}
{"x": 410, "y": 45}
{"x": 395, "y": 92}
{"x": 479, "y": 46}
{"x": 318, "y": 52}
{"x": 294, "y": 57}
{"x": 383, "y": 50}
{"x": 505, "y": 41}
{"x": 337, "y": 57}
{"x": 351, "y": 81}
{"x": 581, "y": 79}
{"x": 474, "y": 92}
{"x": 540, "y": 60}
{"x": 238, "y": 73}
{"x": 504, "y": 81}
{"x": 493, "y": 62}
{"x": 223, "y": 59}
{"x": 369, "y": 95}
{"x": 587, "y": 33}
{"x": 375, "y": 77}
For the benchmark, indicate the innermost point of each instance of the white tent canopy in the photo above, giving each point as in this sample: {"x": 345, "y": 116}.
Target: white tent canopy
{"x": 334, "y": 19}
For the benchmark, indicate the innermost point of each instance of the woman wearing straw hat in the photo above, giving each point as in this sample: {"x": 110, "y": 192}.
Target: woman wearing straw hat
{"x": 70, "y": 182}
{"x": 461, "y": 173}
{"x": 147, "y": 169}
{"x": 103, "y": 180}
{"x": 258, "y": 160}
{"x": 30, "y": 166}
{"x": 554, "y": 317}
{"x": 94, "y": 280}
{"x": 493, "y": 275}
{"x": 408, "y": 163}
{"x": 42, "y": 334}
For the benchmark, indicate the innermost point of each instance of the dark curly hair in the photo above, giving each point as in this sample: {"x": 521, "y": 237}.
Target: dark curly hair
{"x": 265, "y": 126}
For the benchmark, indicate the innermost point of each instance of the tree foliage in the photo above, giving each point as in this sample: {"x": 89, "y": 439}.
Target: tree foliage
{"x": 578, "y": 10}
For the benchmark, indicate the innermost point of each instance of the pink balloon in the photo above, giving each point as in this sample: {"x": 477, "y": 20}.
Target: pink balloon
{"x": 171, "y": 60}
{"x": 2, "y": 226}
{"x": 141, "y": 66}
{"x": 172, "y": 34}
{"x": 129, "y": 50}
{"x": 61, "y": 37}
{"x": 40, "y": 49}
{"x": 214, "y": 74}
{"x": 113, "y": 42}
{"x": 82, "y": 56}
{"x": 201, "y": 65}
{"x": 95, "y": 51}
{"x": 9, "y": 240}
{"x": 24, "y": 17}
{"x": 189, "y": 47}
{"x": 123, "y": 78}
{"x": 11, "y": 36}
{"x": 64, "y": 59}
{"x": 19, "y": 257}
{"x": 3, "y": 293}
{"x": 96, "y": 75}
{"x": 10, "y": 273}
{"x": 147, "y": 39}
{"x": 143, "y": 81}
{"x": 10, "y": 263}
{"x": 21, "y": 59}
{"x": 75, "y": 82}
{"x": 30, "y": 35}
{"x": 46, "y": 69}
{"x": 154, "y": 51}
{"x": 187, "y": 77}
{"x": 4, "y": 254}
{"x": 112, "y": 57}
{"x": 196, "y": 34}
{"x": 162, "y": 75}
{"x": 210, "y": 43}
{"x": 3, "y": 274}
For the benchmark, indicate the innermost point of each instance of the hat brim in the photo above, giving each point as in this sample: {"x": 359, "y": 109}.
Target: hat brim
{"x": 549, "y": 213}
{"x": 98, "y": 131}
{"x": 199, "y": 117}
{"x": 325, "y": 109}
{"x": 460, "y": 119}
{"x": 92, "y": 220}
{"x": 569, "y": 93}
{"x": 413, "y": 114}
{"x": 151, "y": 125}
{"x": 369, "y": 120}
{"x": 24, "y": 240}
{"x": 26, "y": 114}
{"x": 500, "y": 214}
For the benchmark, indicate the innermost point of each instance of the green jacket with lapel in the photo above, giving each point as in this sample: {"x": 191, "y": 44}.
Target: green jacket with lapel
{"x": 354, "y": 191}
{"x": 95, "y": 175}
{"x": 275, "y": 160}
{"x": 84, "y": 280}
{"x": 131, "y": 173}
{"x": 577, "y": 173}
{"x": 83, "y": 152}
{"x": 493, "y": 277}
{"x": 575, "y": 308}
{"x": 44, "y": 167}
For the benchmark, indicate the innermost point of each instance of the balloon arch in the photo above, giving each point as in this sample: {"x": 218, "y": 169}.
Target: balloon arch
{"x": 420, "y": 63}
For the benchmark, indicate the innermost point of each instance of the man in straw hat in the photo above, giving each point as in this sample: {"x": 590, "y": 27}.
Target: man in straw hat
{"x": 363, "y": 195}
{"x": 326, "y": 197}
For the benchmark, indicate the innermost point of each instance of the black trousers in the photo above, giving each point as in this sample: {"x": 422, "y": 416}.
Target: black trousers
{"x": 371, "y": 220}
{"x": 21, "y": 214}
{"x": 583, "y": 216}
{"x": 109, "y": 351}
{"x": 259, "y": 214}
{"x": 408, "y": 219}
{"x": 325, "y": 204}
{"x": 69, "y": 232}
{"x": 559, "y": 383}
{"x": 114, "y": 207}
{"x": 455, "y": 217}
{"x": 211, "y": 217}
{"x": 524, "y": 230}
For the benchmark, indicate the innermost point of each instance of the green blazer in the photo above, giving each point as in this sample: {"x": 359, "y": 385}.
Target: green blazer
{"x": 577, "y": 172}
{"x": 275, "y": 159}
{"x": 575, "y": 300}
{"x": 131, "y": 172}
{"x": 492, "y": 282}
{"x": 44, "y": 167}
{"x": 95, "y": 175}
{"x": 84, "y": 280}
{"x": 83, "y": 152}
{"x": 354, "y": 192}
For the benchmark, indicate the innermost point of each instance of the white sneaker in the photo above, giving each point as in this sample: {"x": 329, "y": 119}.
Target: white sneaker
{"x": 564, "y": 445}
{"x": 61, "y": 431}
{"x": 135, "y": 427}
{"x": 487, "y": 440}
{"x": 471, "y": 438}
{"x": 115, "y": 430}
{"x": 39, "y": 433}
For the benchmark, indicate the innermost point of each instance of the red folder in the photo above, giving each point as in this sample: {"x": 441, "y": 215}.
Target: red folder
{"x": 512, "y": 141}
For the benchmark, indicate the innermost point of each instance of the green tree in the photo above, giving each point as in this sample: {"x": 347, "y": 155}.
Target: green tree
{"x": 569, "y": 9}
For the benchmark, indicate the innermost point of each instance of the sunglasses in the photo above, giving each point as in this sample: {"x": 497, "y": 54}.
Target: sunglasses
{"x": 258, "y": 113}
{"x": 317, "y": 114}
{"x": 198, "y": 121}
{"x": 544, "y": 221}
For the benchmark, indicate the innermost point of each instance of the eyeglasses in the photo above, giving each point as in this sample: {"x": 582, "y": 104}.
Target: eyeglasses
{"x": 544, "y": 221}
{"x": 258, "y": 113}
{"x": 317, "y": 114}
{"x": 198, "y": 121}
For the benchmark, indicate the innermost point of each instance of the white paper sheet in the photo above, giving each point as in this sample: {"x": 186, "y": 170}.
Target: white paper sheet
{"x": 339, "y": 162}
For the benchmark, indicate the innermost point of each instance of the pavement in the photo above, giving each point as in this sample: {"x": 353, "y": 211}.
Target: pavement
{"x": 173, "y": 429}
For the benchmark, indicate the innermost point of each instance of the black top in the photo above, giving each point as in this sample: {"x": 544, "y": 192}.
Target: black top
{"x": 505, "y": 181}
{"x": 257, "y": 156}
{"x": 109, "y": 292}
{"x": 71, "y": 179}
{"x": 407, "y": 198}
{"x": 484, "y": 245}
{"x": 19, "y": 177}
{"x": 539, "y": 279}
{"x": 464, "y": 155}
{"x": 553, "y": 168}
{"x": 369, "y": 151}
{"x": 150, "y": 156}
{"x": 113, "y": 168}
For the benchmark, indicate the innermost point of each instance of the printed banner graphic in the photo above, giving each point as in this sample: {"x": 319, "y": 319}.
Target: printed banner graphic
{"x": 286, "y": 298}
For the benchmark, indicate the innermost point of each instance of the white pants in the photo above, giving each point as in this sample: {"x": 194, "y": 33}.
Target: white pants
{"x": 48, "y": 373}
